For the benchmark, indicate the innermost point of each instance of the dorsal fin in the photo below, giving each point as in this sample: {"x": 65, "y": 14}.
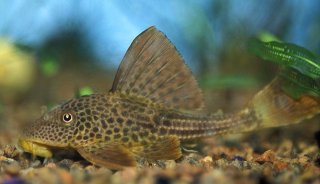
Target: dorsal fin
{"x": 152, "y": 68}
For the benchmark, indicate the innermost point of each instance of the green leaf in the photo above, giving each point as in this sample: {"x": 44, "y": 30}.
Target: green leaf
{"x": 84, "y": 91}
{"x": 267, "y": 37}
{"x": 51, "y": 105}
{"x": 49, "y": 67}
{"x": 300, "y": 67}
{"x": 288, "y": 55}
{"x": 298, "y": 84}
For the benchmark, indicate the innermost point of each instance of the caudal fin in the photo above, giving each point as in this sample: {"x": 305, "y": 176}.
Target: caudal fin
{"x": 275, "y": 108}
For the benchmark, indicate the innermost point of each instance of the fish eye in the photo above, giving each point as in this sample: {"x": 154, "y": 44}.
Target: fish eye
{"x": 67, "y": 117}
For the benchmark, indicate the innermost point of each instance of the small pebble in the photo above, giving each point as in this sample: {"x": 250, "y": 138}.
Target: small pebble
{"x": 51, "y": 165}
{"x": 280, "y": 165}
{"x": 65, "y": 163}
{"x": 207, "y": 162}
{"x": 304, "y": 160}
{"x": 268, "y": 156}
{"x": 239, "y": 158}
{"x": 6, "y": 160}
{"x": 90, "y": 169}
{"x": 238, "y": 164}
{"x": 221, "y": 163}
{"x": 169, "y": 164}
{"x": 126, "y": 175}
{"x": 10, "y": 151}
{"x": 35, "y": 163}
{"x": 12, "y": 168}
{"x": 207, "y": 159}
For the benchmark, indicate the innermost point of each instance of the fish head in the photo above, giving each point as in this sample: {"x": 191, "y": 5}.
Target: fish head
{"x": 57, "y": 127}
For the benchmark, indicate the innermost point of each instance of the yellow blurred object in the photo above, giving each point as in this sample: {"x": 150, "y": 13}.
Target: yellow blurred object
{"x": 17, "y": 71}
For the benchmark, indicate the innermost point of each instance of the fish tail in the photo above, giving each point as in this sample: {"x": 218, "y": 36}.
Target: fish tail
{"x": 270, "y": 107}
{"x": 274, "y": 108}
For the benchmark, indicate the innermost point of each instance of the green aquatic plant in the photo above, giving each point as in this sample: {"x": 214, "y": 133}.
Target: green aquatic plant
{"x": 83, "y": 91}
{"x": 288, "y": 55}
{"x": 267, "y": 37}
{"x": 49, "y": 66}
{"x": 298, "y": 84}
{"x": 227, "y": 81}
{"x": 300, "y": 68}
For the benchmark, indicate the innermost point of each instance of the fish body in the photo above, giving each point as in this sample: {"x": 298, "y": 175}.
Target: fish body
{"x": 153, "y": 106}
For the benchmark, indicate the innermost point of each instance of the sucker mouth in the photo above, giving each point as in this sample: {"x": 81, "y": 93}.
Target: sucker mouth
{"x": 35, "y": 148}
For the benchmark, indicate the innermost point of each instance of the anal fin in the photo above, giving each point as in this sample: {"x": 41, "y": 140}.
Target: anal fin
{"x": 112, "y": 156}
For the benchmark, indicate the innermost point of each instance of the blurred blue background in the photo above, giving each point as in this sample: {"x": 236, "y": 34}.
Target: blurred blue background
{"x": 200, "y": 29}
{"x": 87, "y": 39}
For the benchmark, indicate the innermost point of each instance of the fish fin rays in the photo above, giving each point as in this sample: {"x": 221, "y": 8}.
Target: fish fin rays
{"x": 118, "y": 156}
{"x": 113, "y": 156}
{"x": 162, "y": 149}
{"x": 152, "y": 68}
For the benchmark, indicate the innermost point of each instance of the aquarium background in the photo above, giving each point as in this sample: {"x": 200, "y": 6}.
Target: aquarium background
{"x": 58, "y": 47}
{"x": 203, "y": 31}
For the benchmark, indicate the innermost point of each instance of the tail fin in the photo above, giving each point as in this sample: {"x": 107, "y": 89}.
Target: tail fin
{"x": 274, "y": 107}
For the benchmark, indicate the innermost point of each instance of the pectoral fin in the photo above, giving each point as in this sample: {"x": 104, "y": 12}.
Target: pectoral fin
{"x": 162, "y": 149}
{"x": 112, "y": 156}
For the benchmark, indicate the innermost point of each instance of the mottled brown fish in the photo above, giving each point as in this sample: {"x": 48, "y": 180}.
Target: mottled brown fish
{"x": 153, "y": 106}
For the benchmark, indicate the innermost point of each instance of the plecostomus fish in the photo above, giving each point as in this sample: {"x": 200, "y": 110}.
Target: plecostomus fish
{"x": 153, "y": 106}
